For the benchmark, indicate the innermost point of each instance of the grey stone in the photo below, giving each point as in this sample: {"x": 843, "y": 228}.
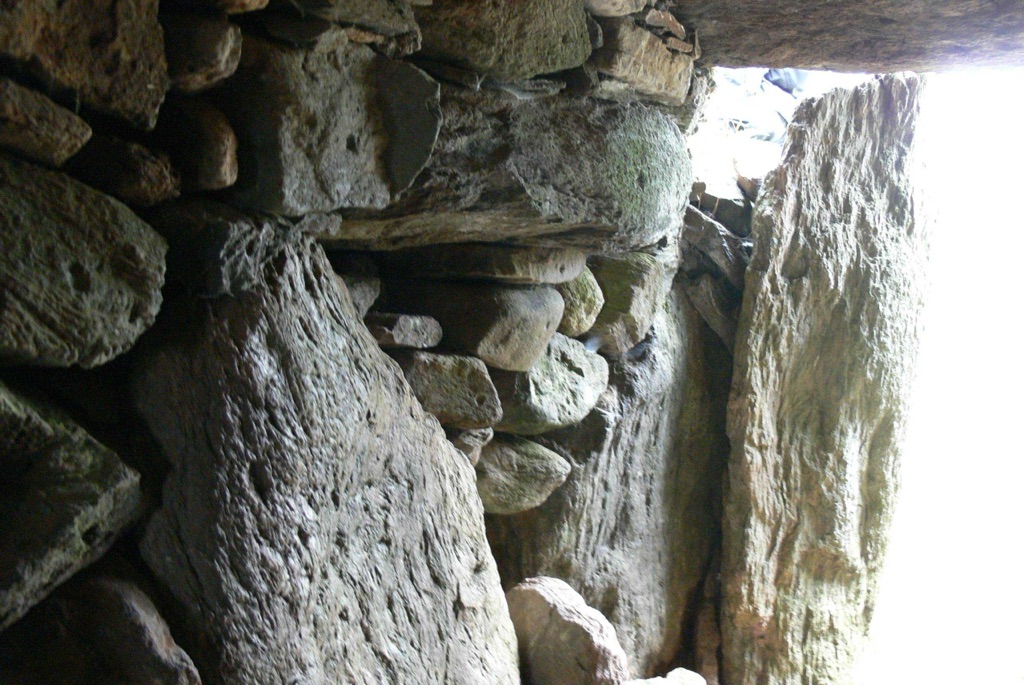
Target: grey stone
{"x": 825, "y": 353}
{"x": 720, "y": 245}
{"x": 506, "y": 41}
{"x": 635, "y": 63}
{"x": 470, "y": 442}
{"x": 107, "y": 54}
{"x": 666, "y": 22}
{"x": 503, "y": 263}
{"x": 561, "y": 388}
{"x": 515, "y": 474}
{"x": 614, "y": 8}
{"x": 201, "y": 50}
{"x": 411, "y": 109}
{"x": 583, "y": 302}
{"x": 35, "y": 127}
{"x": 361, "y": 277}
{"x": 80, "y": 275}
{"x": 403, "y": 330}
{"x": 678, "y": 676}
{"x": 720, "y": 311}
{"x": 129, "y": 171}
{"x": 297, "y": 30}
{"x": 322, "y": 529}
{"x": 456, "y": 389}
{"x": 391, "y": 18}
{"x": 562, "y": 641}
{"x": 200, "y": 142}
{"x": 66, "y": 498}
{"x": 508, "y": 327}
{"x": 635, "y": 524}
{"x": 634, "y": 287}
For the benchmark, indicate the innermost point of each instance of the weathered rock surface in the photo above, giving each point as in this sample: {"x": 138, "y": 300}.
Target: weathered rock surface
{"x": 614, "y": 8}
{"x": 324, "y": 530}
{"x": 456, "y": 389}
{"x": 470, "y": 442}
{"x": 508, "y": 327}
{"x": 65, "y": 499}
{"x": 36, "y": 127}
{"x": 634, "y": 286}
{"x": 634, "y": 525}
{"x": 201, "y": 50}
{"x": 503, "y": 263}
{"x": 827, "y": 344}
{"x": 506, "y": 41}
{"x": 361, "y": 277}
{"x": 717, "y": 306}
{"x": 514, "y": 474}
{"x": 719, "y": 244}
{"x": 129, "y": 171}
{"x": 561, "y": 388}
{"x": 391, "y": 18}
{"x": 410, "y": 108}
{"x": 403, "y": 330}
{"x": 872, "y": 36}
{"x": 562, "y": 641}
{"x": 498, "y": 174}
{"x": 106, "y": 54}
{"x": 635, "y": 62}
{"x": 201, "y": 143}
{"x": 679, "y": 676}
{"x": 583, "y": 302}
{"x": 215, "y": 6}
{"x": 80, "y": 275}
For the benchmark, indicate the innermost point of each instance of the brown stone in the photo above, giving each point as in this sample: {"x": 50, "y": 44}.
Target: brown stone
{"x": 636, "y": 63}
{"x": 456, "y": 389}
{"x": 720, "y": 245}
{"x": 666, "y": 21}
{"x": 35, "y": 127}
{"x": 129, "y": 171}
{"x": 717, "y": 305}
{"x": 200, "y": 142}
{"x": 201, "y": 50}
{"x": 391, "y": 21}
{"x": 403, "y": 330}
{"x": 614, "y": 8}
{"x": 470, "y": 441}
{"x": 503, "y": 263}
{"x": 515, "y": 474}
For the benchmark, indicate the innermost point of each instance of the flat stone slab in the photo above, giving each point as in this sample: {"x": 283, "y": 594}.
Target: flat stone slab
{"x": 502, "y": 263}
{"x": 36, "y": 127}
{"x": 403, "y": 330}
{"x": 515, "y": 474}
{"x": 456, "y": 389}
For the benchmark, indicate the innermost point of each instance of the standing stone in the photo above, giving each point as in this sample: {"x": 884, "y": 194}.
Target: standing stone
{"x": 470, "y": 442}
{"x": 634, "y": 526}
{"x": 635, "y": 62}
{"x": 80, "y": 274}
{"x": 824, "y": 357}
{"x": 35, "y": 127}
{"x": 201, "y": 50}
{"x": 503, "y": 263}
{"x": 455, "y": 389}
{"x": 583, "y": 302}
{"x": 561, "y": 388}
{"x": 106, "y": 54}
{"x": 129, "y": 171}
{"x": 506, "y": 41}
{"x": 321, "y": 530}
{"x": 201, "y": 143}
{"x": 65, "y": 499}
{"x": 403, "y": 330}
{"x": 634, "y": 286}
{"x": 514, "y": 475}
{"x": 562, "y": 641}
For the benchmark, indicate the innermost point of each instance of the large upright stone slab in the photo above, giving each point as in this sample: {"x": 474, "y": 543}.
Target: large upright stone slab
{"x": 825, "y": 352}
{"x": 632, "y": 529}
{"x": 317, "y": 526}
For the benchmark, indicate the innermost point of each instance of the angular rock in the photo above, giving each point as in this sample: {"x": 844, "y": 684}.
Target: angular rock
{"x": 732, "y": 212}
{"x": 35, "y": 127}
{"x": 635, "y": 62}
{"x": 717, "y": 306}
{"x": 129, "y": 171}
{"x": 470, "y": 442}
{"x": 80, "y": 275}
{"x": 514, "y": 474}
{"x": 106, "y": 54}
{"x": 679, "y": 676}
{"x": 498, "y": 173}
{"x": 614, "y": 8}
{"x": 201, "y": 144}
{"x": 457, "y": 390}
{"x": 508, "y": 327}
{"x": 391, "y": 18}
{"x": 403, "y": 330}
{"x": 201, "y": 50}
{"x": 561, "y": 388}
{"x": 825, "y": 353}
{"x": 635, "y": 524}
{"x": 634, "y": 287}
{"x": 324, "y": 530}
{"x": 666, "y": 21}
{"x": 562, "y": 641}
{"x": 503, "y": 263}
{"x": 506, "y": 41}
{"x": 65, "y": 499}
{"x": 719, "y": 244}
{"x": 297, "y": 30}
{"x": 411, "y": 109}
{"x": 583, "y": 302}
{"x": 361, "y": 278}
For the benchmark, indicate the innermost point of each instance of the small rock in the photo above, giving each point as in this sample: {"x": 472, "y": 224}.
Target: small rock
{"x": 403, "y": 330}
{"x": 515, "y": 474}
{"x": 636, "y": 63}
{"x": 583, "y": 302}
{"x": 470, "y": 442}
{"x": 562, "y": 641}
{"x": 614, "y": 8}
{"x": 201, "y": 50}
{"x": 679, "y": 676}
{"x": 129, "y": 171}
{"x": 720, "y": 245}
{"x": 502, "y": 263}
{"x": 359, "y": 273}
{"x": 634, "y": 287}
{"x": 456, "y": 389}
{"x": 661, "y": 19}
{"x": 201, "y": 144}
{"x": 35, "y": 127}
{"x": 561, "y": 388}
{"x": 508, "y": 327}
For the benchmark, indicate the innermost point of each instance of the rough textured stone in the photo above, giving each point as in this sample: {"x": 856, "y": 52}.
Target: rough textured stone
{"x": 201, "y": 143}
{"x": 499, "y": 173}
{"x": 634, "y": 526}
{"x": 65, "y": 499}
{"x": 635, "y": 62}
{"x": 717, "y": 307}
{"x": 392, "y": 18}
{"x": 503, "y": 40}
{"x": 869, "y": 36}
{"x": 719, "y": 244}
{"x": 614, "y": 8}
{"x": 361, "y": 277}
{"x": 201, "y": 50}
{"x": 827, "y": 344}
{"x": 456, "y": 389}
{"x": 470, "y": 442}
{"x": 503, "y": 263}
{"x": 403, "y": 330}
{"x": 80, "y": 275}
{"x": 226, "y": 6}
{"x": 106, "y": 54}
{"x": 508, "y": 327}
{"x": 583, "y": 302}
{"x": 562, "y": 641}
{"x": 324, "y": 530}
{"x": 411, "y": 110}
{"x": 679, "y": 676}
{"x": 129, "y": 171}
{"x": 634, "y": 287}
{"x": 35, "y": 127}
{"x": 561, "y": 388}
{"x": 514, "y": 474}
